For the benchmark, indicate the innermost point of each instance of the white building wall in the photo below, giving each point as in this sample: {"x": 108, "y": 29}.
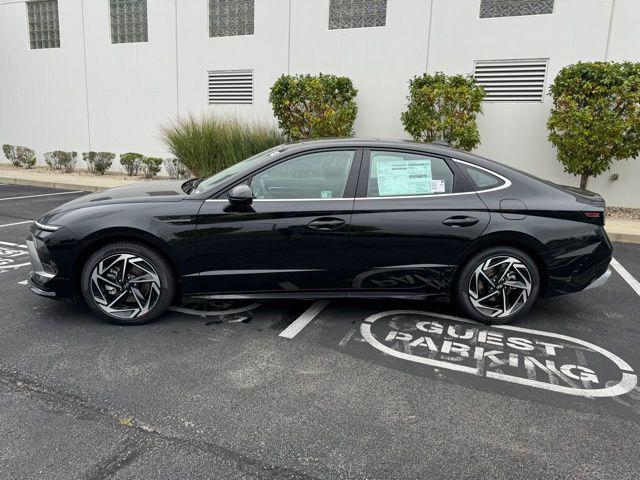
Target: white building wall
{"x": 132, "y": 86}
{"x": 516, "y": 133}
{"x": 379, "y": 60}
{"x": 47, "y": 89}
{"x": 266, "y": 52}
{"x": 6, "y": 100}
{"x": 117, "y": 99}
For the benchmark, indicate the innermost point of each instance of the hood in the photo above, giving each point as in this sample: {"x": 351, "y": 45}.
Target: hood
{"x": 165, "y": 191}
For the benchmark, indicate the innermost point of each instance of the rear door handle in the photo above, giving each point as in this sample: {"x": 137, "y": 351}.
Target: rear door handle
{"x": 326, "y": 223}
{"x": 460, "y": 221}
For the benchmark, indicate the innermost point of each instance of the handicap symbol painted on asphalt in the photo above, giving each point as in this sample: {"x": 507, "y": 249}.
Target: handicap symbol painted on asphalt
{"x": 533, "y": 358}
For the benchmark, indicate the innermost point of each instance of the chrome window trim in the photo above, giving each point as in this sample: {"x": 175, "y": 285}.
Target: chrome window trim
{"x": 507, "y": 183}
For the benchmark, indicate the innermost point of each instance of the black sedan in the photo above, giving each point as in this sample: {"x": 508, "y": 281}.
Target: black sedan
{"x": 325, "y": 219}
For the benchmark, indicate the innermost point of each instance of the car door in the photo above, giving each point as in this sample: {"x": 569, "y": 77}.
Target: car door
{"x": 413, "y": 216}
{"x": 292, "y": 239}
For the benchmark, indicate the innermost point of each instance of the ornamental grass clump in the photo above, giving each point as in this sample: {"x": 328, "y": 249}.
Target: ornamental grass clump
{"x": 206, "y": 145}
{"x": 314, "y": 106}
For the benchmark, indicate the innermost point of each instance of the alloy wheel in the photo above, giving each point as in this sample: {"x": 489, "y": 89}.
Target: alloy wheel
{"x": 124, "y": 285}
{"x": 500, "y": 286}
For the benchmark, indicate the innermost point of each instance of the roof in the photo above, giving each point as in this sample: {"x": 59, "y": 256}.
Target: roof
{"x": 382, "y": 142}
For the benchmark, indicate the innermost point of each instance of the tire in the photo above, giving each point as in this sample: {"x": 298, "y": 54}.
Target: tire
{"x": 496, "y": 277}
{"x": 140, "y": 296}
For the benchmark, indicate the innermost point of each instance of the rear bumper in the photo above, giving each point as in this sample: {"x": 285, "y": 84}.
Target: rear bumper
{"x": 600, "y": 281}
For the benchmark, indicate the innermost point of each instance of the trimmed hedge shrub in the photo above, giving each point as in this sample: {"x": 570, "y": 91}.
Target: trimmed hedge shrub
{"x": 60, "y": 160}
{"x": 131, "y": 162}
{"x": 309, "y": 106}
{"x": 443, "y": 107}
{"x": 151, "y": 166}
{"x": 595, "y": 118}
{"x": 98, "y": 162}
{"x": 19, "y": 156}
{"x": 208, "y": 145}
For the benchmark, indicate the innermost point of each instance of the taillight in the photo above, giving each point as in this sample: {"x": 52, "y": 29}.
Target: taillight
{"x": 594, "y": 216}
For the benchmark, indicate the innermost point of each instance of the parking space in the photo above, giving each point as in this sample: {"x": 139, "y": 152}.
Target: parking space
{"x": 326, "y": 389}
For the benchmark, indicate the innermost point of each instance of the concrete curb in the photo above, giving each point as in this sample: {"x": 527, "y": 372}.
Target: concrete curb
{"x": 623, "y": 237}
{"x": 52, "y": 184}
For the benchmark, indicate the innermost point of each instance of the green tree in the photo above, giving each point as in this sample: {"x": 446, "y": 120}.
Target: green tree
{"x": 319, "y": 106}
{"x": 443, "y": 107}
{"x": 595, "y": 119}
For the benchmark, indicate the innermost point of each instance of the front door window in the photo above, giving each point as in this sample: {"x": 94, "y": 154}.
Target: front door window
{"x": 316, "y": 175}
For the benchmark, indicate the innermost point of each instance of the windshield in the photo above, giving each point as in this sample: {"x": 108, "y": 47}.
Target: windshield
{"x": 244, "y": 165}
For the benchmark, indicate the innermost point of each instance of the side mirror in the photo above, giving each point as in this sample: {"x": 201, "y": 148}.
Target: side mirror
{"x": 241, "y": 195}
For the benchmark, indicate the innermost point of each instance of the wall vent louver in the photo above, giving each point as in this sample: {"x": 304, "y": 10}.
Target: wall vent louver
{"x": 231, "y": 87}
{"x": 512, "y": 80}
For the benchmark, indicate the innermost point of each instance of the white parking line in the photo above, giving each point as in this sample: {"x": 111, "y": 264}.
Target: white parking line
{"x": 9, "y": 244}
{"x": 633, "y": 283}
{"x": 304, "y": 319}
{"x": 40, "y": 195}
{"x": 4, "y": 268}
{"x": 17, "y": 223}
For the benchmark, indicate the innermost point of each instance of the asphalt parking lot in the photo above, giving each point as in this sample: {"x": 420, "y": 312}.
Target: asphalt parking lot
{"x": 302, "y": 389}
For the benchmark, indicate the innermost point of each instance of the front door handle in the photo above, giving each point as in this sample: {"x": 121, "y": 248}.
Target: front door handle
{"x": 326, "y": 223}
{"x": 460, "y": 221}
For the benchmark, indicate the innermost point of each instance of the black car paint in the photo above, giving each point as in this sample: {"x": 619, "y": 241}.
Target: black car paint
{"x": 386, "y": 246}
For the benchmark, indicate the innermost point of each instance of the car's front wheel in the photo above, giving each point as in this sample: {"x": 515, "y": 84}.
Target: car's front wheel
{"x": 127, "y": 283}
{"x": 497, "y": 285}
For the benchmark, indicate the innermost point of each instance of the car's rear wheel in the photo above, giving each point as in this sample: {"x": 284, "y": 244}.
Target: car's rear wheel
{"x": 497, "y": 285}
{"x": 127, "y": 283}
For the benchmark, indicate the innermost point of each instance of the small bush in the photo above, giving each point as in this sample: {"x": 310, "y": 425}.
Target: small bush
{"x": 59, "y": 160}
{"x": 26, "y": 157}
{"x": 308, "y": 106}
{"x": 132, "y": 162}
{"x": 595, "y": 119}
{"x": 175, "y": 169}
{"x": 151, "y": 166}
{"x": 98, "y": 162}
{"x": 443, "y": 107}
{"x": 10, "y": 152}
{"x": 207, "y": 145}
{"x": 19, "y": 156}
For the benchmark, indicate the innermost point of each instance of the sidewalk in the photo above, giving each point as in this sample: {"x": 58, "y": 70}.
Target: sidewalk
{"x": 71, "y": 181}
{"x": 623, "y": 230}
{"x": 618, "y": 230}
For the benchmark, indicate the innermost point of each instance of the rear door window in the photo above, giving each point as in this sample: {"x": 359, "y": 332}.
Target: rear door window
{"x": 398, "y": 174}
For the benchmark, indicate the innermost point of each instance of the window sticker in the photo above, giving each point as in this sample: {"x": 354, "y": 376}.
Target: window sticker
{"x": 326, "y": 194}
{"x": 437, "y": 186}
{"x": 397, "y": 176}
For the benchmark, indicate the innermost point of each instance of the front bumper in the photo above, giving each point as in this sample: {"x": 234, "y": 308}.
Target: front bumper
{"x": 600, "y": 281}
{"x": 40, "y": 274}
